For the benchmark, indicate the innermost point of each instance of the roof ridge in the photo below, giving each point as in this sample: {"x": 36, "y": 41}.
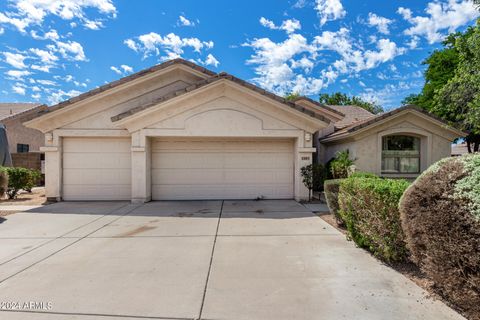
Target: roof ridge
{"x": 15, "y": 115}
{"x": 318, "y": 104}
{"x": 129, "y": 78}
{"x": 214, "y": 78}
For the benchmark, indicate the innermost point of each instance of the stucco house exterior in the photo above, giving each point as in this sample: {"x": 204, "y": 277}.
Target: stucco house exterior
{"x": 21, "y": 138}
{"x": 178, "y": 131}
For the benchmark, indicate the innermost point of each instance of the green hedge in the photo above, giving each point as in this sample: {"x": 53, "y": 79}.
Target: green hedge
{"x": 369, "y": 208}
{"x": 20, "y": 178}
{"x": 331, "y": 189}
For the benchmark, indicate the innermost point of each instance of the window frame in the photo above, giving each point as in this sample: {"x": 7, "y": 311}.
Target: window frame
{"x": 398, "y": 168}
{"x": 21, "y": 147}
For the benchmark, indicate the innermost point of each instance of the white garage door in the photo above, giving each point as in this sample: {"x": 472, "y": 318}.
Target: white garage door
{"x": 222, "y": 169}
{"x": 96, "y": 169}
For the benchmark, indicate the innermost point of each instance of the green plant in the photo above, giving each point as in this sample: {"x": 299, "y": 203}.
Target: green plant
{"x": 331, "y": 189}
{"x": 369, "y": 208}
{"x": 18, "y": 178}
{"x": 3, "y": 182}
{"x": 307, "y": 178}
{"x": 440, "y": 214}
{"x": 339, "y": 166}
{"x": 34, "y": 178}
{"x": 360, "y": 174}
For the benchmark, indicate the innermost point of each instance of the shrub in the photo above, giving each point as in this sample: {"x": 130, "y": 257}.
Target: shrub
{"x": 360, "y": 174}
{"x": 369, "y": 208}
{"x": 319, "y": 176}
{"x": 440, "y": 214}
{"x": 18, "y": 178}
{"x": 339, "y": 166}
{"x": 34, "y": 177}
{"x": 313, "y": 176}
{"x": 3, "y": 182}
{"x": 331, "y": 188}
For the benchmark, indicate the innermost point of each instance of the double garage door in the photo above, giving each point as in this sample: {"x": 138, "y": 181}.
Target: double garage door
{"x": 181, "y": 169}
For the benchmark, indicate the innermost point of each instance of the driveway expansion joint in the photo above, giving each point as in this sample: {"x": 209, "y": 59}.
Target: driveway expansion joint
{"x": 211, "y": 261}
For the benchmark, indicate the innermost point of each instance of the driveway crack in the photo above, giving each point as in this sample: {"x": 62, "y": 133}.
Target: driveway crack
{"x": 211, "y": 261}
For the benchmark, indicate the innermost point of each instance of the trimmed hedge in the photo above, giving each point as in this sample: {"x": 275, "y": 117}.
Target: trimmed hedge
{"x": 440, "y": 214}
{"x": 331, "y": 189}
{"x": 3, "y": 182}
{"x": 369, "y": 208}
{"x": 20, "y": 178}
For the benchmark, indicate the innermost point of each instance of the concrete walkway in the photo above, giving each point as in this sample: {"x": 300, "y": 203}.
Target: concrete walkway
{"x": 191, "y": 260}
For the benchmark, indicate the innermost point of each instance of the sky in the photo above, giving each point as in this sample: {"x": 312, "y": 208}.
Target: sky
{"x": 52, "y": 50}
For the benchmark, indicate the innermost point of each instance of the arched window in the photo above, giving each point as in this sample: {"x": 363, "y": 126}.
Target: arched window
{"x": 400, "y": 154}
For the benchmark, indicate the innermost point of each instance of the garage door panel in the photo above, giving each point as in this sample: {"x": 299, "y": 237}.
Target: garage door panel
{"x": 189, "y": 192}
{"x": 96, "y": 169}
{"x": 222, "y": 169}
{"x": 96, "y": 192}
{"x": 96, "y": 161}
{"x": 103, "y": 177}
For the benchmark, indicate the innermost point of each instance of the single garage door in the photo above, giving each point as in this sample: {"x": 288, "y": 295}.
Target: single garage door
{"x": 222, "y": 169}
{"x": 96, "y": 169}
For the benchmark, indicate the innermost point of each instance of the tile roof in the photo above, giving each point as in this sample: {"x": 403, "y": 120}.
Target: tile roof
{"x": 127, "y": 79}
{"x": 217, "y": 77}
{"x": 319, "y": 105}
{"x": 27, "y": 114}
{"x": 9, "y": 109}
{"x": 352, "y": 114}
{"x": 376, "y": 118}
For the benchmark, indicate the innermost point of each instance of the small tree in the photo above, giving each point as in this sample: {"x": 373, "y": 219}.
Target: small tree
{"x": 307, "y": 175}
{"x": 3, "y": 182}
{"x": 340, "y": 165}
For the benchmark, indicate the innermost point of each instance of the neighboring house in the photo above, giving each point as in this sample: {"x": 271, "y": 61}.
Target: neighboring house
{"x": 459, "y": 149}
{"x": 20, "y": 138}
{"x": 180, "y": 131}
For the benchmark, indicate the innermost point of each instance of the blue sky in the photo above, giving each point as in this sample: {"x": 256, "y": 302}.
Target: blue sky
{"x": 53, "y": 50}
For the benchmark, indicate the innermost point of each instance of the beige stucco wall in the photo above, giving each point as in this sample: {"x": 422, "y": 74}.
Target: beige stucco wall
{"x": 223, "y": 109}
{"x": 366, "y": 147}
{"x": 18, "y": 133}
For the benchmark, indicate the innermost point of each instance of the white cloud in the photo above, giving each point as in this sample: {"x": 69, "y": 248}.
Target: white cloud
{"x": 171, "y": 46}
{"x": 211, "y": 61}
{"x": 33, "y": 12}
{"x": 126, "y": 68}
{"x": 381, "y": 23}
{"x": 116, "y": 70}
{"x": 289, "y": 25}
{"x": 440, "y": 16}
{"x": 36, "y": 96}
{"x": 122, "y": 70}
{"x": 182, "y": 21}
{"x": 70, "y": 50}
{"x": 329, "y": 10}
{"x": 15, "y": 60}
{"x": 276, "y": 63}
{"x": 19, "y": 89}
{"x": 50, "y": 35}
{"x": 131, "y": 44}
{"x": 17, "y": 74}
{"x": 46, "y": 57}
{"x": 47, "y": 82}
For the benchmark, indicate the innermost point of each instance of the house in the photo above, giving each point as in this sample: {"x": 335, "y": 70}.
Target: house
{"x": 20, "y": 138}
{"x": 24, "y": 143}
{"x": 179, "y": 131}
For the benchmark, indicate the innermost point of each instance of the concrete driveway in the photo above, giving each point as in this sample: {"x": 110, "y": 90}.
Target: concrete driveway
{"x": 190, "y": 260}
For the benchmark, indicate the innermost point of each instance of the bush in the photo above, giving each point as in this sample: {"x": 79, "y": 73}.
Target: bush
{"x": 360, "y": 174}
{"x": 34, "y": 178}
{"x": 369, "y": 208}
{"x": 339, "y": 166}
{"x": 440, "y": 214}
{"x": 319, "y": 176}
{"x": 18, "y": 178}
{"x": 3, "y": 182}
{"x": 331, "y": 188}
